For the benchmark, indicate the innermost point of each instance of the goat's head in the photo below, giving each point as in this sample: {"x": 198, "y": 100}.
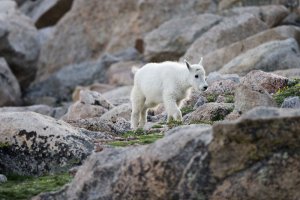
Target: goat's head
{"x": 197, "y": 76}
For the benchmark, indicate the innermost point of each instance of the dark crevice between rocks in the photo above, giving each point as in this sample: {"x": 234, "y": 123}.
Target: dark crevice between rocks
{"x": 54, "y": 14}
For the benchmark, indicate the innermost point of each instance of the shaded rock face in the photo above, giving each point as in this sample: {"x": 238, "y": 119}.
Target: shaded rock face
{"x": 254, "y": 157}
{"x": 10, "y": 93}
{"x": 251, "y": 96}
{"x": 79, "y": 37}
{"x": 19, "y": 45}
{"x": 33, "y": 144}
{"x": 223, "y": 34}
{"x": 275, "y": 178}
{"x": 216, "y": 59}
{"x": 271, "y": 56}
{"x": 90, "y": 104}
{"x": 270, "y": 82}
{"x": 168, "y": 42}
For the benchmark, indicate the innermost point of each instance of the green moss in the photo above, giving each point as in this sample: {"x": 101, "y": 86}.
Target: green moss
{"x": 133, "y": 139}
{"x": 293, "y": 89}
{"x": 212, "y": 97}
{"x": 24, "y": 187}
{"x": 4, "y": 145}
{"x": 186, "y": 110}
{"x": 157, "y": 126}
{"x": 174, "y": 123}
{"x": 229, "y": 98}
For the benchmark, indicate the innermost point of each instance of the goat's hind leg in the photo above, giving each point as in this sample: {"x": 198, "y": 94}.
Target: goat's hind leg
{"x": 137, "y": 100}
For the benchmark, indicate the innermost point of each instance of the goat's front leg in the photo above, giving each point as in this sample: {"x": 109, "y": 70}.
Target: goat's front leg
{"x": 172, "y": 108}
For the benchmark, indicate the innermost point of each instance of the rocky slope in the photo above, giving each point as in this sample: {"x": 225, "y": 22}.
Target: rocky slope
{"x": 65, "y": 82}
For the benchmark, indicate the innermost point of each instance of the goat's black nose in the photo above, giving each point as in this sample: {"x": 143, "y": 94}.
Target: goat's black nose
{"x": 205, "y": 87}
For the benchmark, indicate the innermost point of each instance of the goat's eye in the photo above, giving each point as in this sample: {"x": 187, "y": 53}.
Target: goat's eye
{"x": 196, "y": 76}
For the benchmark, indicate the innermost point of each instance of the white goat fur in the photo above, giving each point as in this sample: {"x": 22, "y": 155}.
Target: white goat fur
{"x": 167, "y": 83}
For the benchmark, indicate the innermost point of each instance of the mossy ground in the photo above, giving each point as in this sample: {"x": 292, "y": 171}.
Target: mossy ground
{"x": 138, "y": 137}
{"x": 293, "y": 89}
{"x": 25, "y": 187}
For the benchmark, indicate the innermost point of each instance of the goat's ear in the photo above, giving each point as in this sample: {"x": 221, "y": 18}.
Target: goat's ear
{"x": 187, "y": 64}
{"x": 200, "y": 62}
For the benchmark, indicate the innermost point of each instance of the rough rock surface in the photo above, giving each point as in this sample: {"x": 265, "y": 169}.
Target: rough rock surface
{"x": 90, "y": 104}
{"x": 55, "y": 112}
{"x": 168, "y": 42}
{"x": 269, "y": 81}
{"x": 271, "y": 56}
{"x": 119, "y": 95}
{"x": 121, "y": 73}
{"x": 10, "y": 93}
{"x": 33, "y": 144}
{"x": 225, "y": 87}
{"x": 251, "y": 96}
{"x": 291, "y": 102}
{"x": 228, "y": 31}
{"x": 253, "y": 137}
{"x": 116, "y": 126}
{"x": 216, "y": 59}
{"x": 97, "y": 87}
{"x": 123, "y": 110}
{"x": 19, "y": 44}
{"x": 3, "y": 178}
{"x": 209, "y": 112}
{"x": 272, "y": 15}
{"x": 290, "y": 73}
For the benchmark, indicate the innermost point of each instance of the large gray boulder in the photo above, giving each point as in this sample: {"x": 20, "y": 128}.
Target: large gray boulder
{"x": 10, "y": 93}
{"x": 248, "y": 97}
{"x": 33, "y": 144}
{"x": 270, "y": 56}
{"x": 170, "y": 40}
{"x": 269, "y": 81}
{"x": 193, "y": 162}
{"x": 18, "y": 43}
{"x": 218, "y": 58}
{"x": 228, "y": 31}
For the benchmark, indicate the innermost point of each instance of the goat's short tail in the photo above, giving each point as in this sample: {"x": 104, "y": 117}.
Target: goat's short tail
{"x": 134, "y": 69}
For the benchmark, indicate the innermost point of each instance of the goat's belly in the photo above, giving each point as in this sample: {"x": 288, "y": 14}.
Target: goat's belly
{"x": 153, "y": 97}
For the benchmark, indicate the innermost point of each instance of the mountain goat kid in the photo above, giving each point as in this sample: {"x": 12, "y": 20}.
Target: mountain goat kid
{"x": 166, "y": 82}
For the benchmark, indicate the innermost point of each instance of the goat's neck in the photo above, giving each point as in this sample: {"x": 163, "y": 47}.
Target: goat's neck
{"x": 185, "y": 84}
